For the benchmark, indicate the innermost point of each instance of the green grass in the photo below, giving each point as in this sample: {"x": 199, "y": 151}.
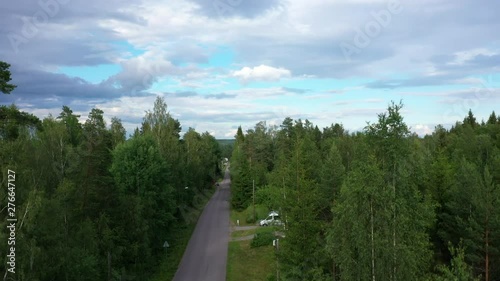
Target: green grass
{"x": 266, "y": 229}
{"x": 242, "y": 233}
{"x": 245, "y": 263}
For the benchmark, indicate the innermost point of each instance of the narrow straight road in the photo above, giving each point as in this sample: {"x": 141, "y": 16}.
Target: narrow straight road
{"x": 205, "y": 257}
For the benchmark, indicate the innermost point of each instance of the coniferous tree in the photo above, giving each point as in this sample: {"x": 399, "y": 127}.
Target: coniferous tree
{"x": 117, "y": 132}
{"x": 73, "y": 127}
{"x": 5, "y": 77}
{"x": 303, "y": 255}
{"x": 332, "y": 175}
{"x": 241, "y": 181}
{"x": 13, "y": 121}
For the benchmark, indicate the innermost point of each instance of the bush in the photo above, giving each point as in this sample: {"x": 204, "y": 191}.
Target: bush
{"x": 250, "y": 218}
{"x": 260, "y": 211}
{"x": 247, "y": 214}
{"x": 262, "y": 239}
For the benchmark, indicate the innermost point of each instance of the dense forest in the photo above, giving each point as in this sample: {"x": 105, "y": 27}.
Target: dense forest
{"x": 381, "y": 204}
{"x": 91, "y": 204}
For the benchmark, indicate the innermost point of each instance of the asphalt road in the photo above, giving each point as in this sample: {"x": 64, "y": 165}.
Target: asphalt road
{"x": 205, "y": 257}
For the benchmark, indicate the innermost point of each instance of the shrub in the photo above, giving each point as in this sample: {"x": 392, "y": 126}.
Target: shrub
{"x": 262, "y": 239}
{"x": 250, "y": 218}
{"x": 260, "y": 212}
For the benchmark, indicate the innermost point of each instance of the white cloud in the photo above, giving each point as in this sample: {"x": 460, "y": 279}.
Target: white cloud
{"x": 462, "y": 57}
{"x": 231, "y": 133}
{"x": 470, "y": 81}
{"x": 422, "y": 129}
{"x": 261, "y": 73}
{"x": 140, "y": 72}
{"x": 357, "y": 101}
{"x": 299, "y": 37}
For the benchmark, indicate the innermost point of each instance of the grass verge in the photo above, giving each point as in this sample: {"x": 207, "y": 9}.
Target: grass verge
{"x": 246, "y": 263}
{"x": 249, "y": 264}
{"x": 242, "y": 233}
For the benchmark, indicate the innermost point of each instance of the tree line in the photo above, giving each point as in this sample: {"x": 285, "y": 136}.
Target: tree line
{"x": 91, "y": 204}
{"x": 380, "y": 204}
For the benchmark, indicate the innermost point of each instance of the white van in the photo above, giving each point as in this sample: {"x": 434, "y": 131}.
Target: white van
{"x": 272, "y": 219}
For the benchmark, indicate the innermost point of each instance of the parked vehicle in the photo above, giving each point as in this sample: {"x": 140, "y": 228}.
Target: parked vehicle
{"x": 272, "y": 219}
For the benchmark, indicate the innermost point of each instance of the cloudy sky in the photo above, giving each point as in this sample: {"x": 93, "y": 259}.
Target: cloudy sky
{"x": 224, "y": 63}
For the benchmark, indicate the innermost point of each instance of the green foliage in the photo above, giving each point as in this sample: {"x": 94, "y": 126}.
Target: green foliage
{"x": 90, "y": 204}
{"x": 73, "y": 127}
{"x": 369, "y": 205}
{"x": 165, "y": 131}
{"x": 246, "y": 217}
{"x": 241, "y": 181}
{"x": 302, "y": 251}
{"x": 411, "y": 216}
{"x": 226, "y": 148}
{"x": 396, "y": 198}
{"x": 137, "y": 166}
{"x": 13, "y": 121}
{"x": 458, "y": 270}
{"x": 332, "y": 176}
{"x": 472, "y": 214}
{"x": 262, "y": 239}
{"x": 5, "y": 74}
{"x": 117, "y": 131}
{"x": 269, "y": 196}
{"x": 361, "y": 234}
{"x": 250, "y": 219}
